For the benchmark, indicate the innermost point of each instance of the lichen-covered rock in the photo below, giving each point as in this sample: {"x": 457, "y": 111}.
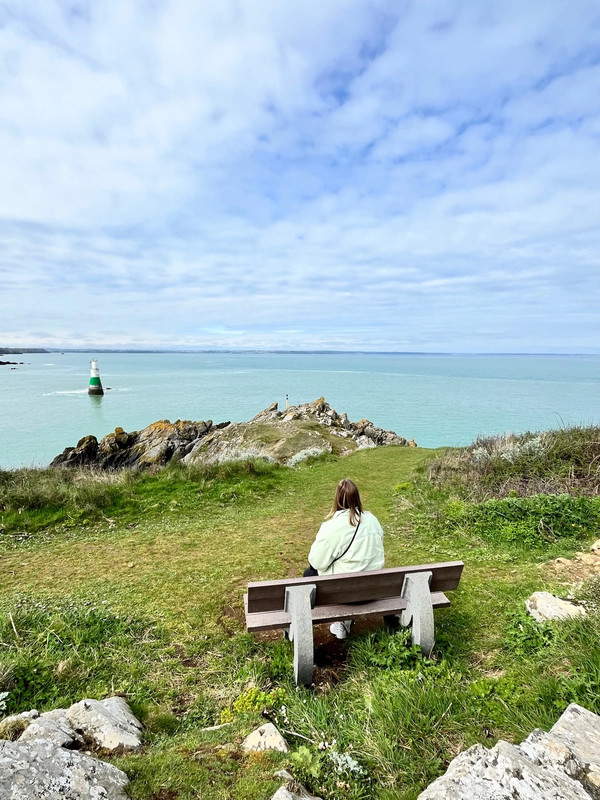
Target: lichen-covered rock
{"x": 54, "y": 727}
{"x": 155, "y": 445}
{"x": 502, "y": 773}
{"x": 573, "y": 744}
{"x": 561, "y": 765}
{"x": 545, "y": 607}
{"x": 267, "y": 737}
{"x": 271, "y": 434}
{"x": 40, "y": 770}
{"x": 108, "y": 724}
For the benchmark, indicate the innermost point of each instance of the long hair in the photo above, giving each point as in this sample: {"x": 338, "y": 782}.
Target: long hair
{"x": 347, "y": 497}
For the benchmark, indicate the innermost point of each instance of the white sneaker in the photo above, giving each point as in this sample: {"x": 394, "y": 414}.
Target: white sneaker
{"x": 340, "y": 629}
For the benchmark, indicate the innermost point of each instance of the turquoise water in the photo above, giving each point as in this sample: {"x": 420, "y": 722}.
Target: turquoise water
{"x": 437, "y": 399}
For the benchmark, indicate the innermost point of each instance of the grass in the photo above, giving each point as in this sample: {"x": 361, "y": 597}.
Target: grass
{"x": 144, "y": 596}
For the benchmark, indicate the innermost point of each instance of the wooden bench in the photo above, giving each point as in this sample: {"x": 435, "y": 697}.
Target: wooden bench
{"x": 296, "y": 604}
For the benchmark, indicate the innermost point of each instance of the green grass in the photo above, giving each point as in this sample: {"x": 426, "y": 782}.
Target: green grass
{"x": 145, "y": 598}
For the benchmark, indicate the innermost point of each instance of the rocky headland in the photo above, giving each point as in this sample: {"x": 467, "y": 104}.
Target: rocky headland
{"x": 288, "y": 437}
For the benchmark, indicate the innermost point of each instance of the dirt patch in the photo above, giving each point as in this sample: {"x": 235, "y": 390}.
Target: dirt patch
{"x": 229, "y": 612}
{"x": 575, "y": 570}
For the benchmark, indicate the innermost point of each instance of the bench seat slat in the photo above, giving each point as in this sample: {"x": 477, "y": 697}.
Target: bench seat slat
{"x": 354, "y": 586}
{"x": 269, "y": 620}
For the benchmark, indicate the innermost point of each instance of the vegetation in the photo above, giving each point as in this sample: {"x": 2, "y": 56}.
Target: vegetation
{"x": 133, "y": 583}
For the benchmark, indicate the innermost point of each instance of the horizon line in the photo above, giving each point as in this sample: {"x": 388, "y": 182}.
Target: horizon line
{"x": 16, "y": 350}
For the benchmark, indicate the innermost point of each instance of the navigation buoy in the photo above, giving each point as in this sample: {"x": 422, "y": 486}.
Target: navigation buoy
{"x": 95, "y": 386}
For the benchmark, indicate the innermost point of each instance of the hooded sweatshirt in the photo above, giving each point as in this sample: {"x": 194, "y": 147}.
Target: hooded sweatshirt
{"x": 335, "y": 535}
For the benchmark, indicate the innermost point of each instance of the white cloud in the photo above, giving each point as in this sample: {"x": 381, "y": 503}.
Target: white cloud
{"x": 292, "y": 174}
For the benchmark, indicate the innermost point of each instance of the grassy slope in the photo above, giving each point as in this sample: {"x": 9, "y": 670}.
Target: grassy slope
{"x": 183, "y": 568}
{"x": 189, "y": 563}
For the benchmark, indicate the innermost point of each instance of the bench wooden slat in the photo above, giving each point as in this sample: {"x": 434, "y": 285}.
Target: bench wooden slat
{"x": 377, "y": 584}
{"x": 263, "y": 621}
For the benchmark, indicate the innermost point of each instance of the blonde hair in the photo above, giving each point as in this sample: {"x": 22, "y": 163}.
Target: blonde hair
{"x": 347, "y": 497}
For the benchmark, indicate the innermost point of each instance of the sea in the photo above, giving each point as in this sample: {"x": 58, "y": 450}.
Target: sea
{"x": 436, "y": 399}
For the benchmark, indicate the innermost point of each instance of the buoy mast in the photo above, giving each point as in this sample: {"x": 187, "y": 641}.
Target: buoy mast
{"x": 95, "y": 386}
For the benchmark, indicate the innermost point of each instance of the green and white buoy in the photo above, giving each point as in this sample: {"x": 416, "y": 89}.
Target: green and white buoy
{"x": 95, "y": 386}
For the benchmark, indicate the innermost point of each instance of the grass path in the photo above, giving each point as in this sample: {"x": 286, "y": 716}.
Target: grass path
{"x": 182, "y": 566}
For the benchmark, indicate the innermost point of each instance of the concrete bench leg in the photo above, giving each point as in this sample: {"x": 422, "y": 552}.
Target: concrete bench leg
{"x": 419, "y": 610}
{"x": 299, "y": 602}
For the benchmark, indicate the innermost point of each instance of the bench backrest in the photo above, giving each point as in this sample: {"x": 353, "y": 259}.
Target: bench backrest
{"x": 352, "y": 587}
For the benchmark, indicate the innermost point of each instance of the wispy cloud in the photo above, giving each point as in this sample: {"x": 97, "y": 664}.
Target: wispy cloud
{"x": 407, "y": 176}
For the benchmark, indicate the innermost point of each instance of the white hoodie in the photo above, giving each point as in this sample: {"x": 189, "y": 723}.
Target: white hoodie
{"x": 335, "y": 535}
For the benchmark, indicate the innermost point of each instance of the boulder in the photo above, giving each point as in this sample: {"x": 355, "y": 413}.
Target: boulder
{"x": 84, "y": 454}
{"x": 40, "y": 769}
{"x": 53, "y": 726}
{"x": 267, "y": 737}
{"x": 545, "y": 607}
{"x": 364, "y": 443}
{"x": 563, "y": 764}
{"x": 107, "y": 724}
{"x": 503, "y": 773}
{"x": 572, "y": 745}
{"x": 24, "y": 715}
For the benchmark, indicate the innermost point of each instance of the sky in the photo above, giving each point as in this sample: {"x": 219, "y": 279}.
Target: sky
{"x": 411, "y": 175}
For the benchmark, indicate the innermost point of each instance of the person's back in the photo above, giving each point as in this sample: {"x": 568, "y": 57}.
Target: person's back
{"x": 350, "y": 541}
{"x": 335, "y": 534}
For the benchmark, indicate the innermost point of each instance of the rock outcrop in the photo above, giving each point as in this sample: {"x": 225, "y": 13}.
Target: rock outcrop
{"x": 43, "y": 762}
{"x": 41, "y": 769}
{"x": 287, "y": 437}
{"x": 155, "y": 445}
{"x": 563, "y": 764}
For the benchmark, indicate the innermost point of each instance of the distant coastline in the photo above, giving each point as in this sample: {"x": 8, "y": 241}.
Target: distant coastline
{"x": 16, "y": 351}
{"x": 420, "y": 353}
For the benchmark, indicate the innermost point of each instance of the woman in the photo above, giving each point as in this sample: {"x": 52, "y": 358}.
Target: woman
{"x": 350, "y": 541}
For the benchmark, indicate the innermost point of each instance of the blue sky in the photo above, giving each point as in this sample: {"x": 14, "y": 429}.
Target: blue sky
{"x": 296, "y": 175}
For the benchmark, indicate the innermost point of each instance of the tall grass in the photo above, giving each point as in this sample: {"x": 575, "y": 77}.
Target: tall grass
{"x": 564, "y": 461}
{"x": 39, "y": 502}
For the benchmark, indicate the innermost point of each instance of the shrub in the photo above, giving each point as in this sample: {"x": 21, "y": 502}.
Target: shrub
{"x": 559, "y": 461}
{"x": 525, "y": 636}
{"x": 533, "y": 522}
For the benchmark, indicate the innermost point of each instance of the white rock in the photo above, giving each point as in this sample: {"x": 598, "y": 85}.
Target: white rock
{"x": 545, "y": 607}
{"x": 109, "y": 724}
{"x": 33, "y": 714}
{"x": 561, "y": 765}
{"x": 579, "y": 730}
{"x": 287, "y": 794}
{"x": 363, "y": 443}
{"x": 267, "y": 737}
{"x": 40, "y": 770}
{"x": 310, "y": 452}
{"x": 54, "y": 727}
{"x": 502, "y": 773}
